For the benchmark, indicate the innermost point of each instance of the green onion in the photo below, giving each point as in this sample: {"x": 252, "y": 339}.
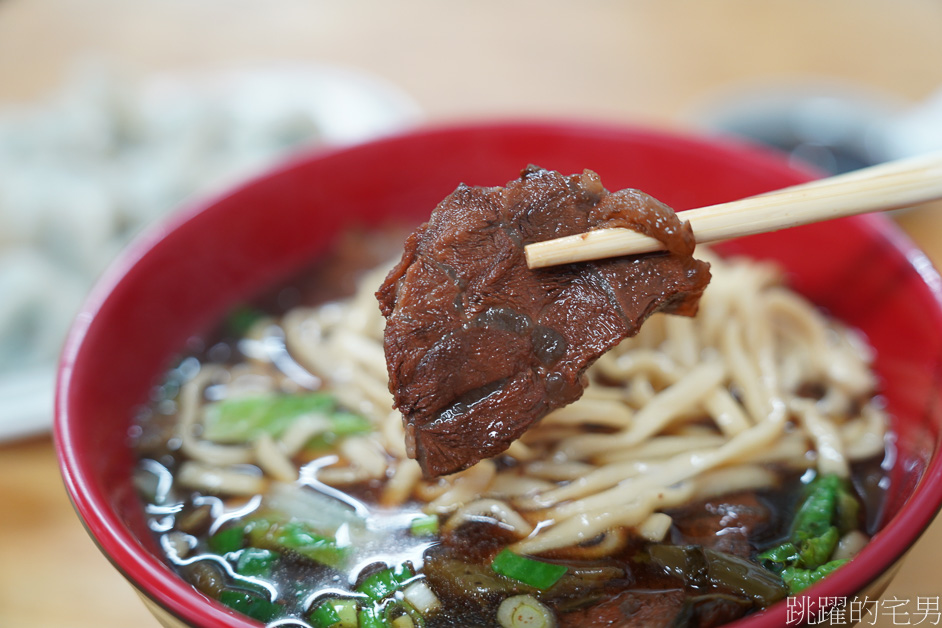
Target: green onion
{"x": 297, "y": 537}
{"x": 524, "y": 611}
{"x": 241, "y": 319}
{"x": 321, "y": 513}
{"x": 347, "y": 610}
{"x": 342, "y": 424}
{"x": 535, "y": 573}
{"x": 401, "y": 614}
{"x": 371, "y": 617}
{"x": 425, "y": 525}
{"x": 335, "y": 613}
{"x": 255, "y": 562}
{"x": 379, "y": 585}
{"x": 227, "y": 540}
{"x": 420, "y": 597}
{"x": 255, "y": 606}
{"x": 243, "y": 419}
{"x": 403, "y": 621}
{"x": 324, "y": 616}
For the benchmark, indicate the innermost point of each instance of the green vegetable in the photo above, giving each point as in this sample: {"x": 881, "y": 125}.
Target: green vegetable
{"x": 420, "y": 599}
{"x": 799, "y": 579}
{"x": 347, "y": 611}
{"x": 336, "y": 613}
{"x": 535, "y": 573}
{"x": 816, "y": 551}
{"x": 324, "y": 514}
{"x": 401, "y": 614}
{"x": 295, "y": 536}
{"x": 243, "y": 419}
{"x": 819, "y": 508}
{"x": 702, "y": 567}
{"x": 342, "y": 424}
{"x": 780, "y": 554}
{"x": 829, "y": 510}
{"x": 255, "y": 606}
{"x": 848, "y": 511}
{"x": 426, "y": 525}
{"x": 255, "y": 562}
{"x": 324, "y": 616}
{"x": 371, "y": 617}
{"x": 227, "y": 540}
{"x": 524, "y": 611}
{"x": 242, "y": 318}
{"x": 379, "y": 585}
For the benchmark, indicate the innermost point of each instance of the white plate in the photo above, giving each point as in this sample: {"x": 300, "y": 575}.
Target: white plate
{"x": 195, "y": 133}
{"x": 26, "y": 403}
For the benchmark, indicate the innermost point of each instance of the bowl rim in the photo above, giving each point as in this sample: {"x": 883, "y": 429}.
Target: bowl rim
{"x": 152, "y": 578}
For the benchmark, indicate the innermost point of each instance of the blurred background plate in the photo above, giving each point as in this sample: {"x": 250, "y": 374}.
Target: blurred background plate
{"x": 83, "y": 171}
{"x": 834, "y": 125}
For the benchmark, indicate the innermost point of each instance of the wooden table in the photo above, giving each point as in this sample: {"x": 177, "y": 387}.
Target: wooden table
{"x": 646, "y": 61}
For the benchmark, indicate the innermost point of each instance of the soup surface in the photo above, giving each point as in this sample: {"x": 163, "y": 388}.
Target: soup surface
{"x": 713, "y": 466}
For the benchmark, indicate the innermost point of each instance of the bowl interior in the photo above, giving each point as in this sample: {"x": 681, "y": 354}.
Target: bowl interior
{"x": 174, "y": 282}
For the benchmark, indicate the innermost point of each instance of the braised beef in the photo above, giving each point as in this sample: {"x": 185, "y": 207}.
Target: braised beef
{"x": 724, "y": 523}
{"x": 636, "y": 608}
{"x": 714, "y": 610}
{"x": 479, "y": 346}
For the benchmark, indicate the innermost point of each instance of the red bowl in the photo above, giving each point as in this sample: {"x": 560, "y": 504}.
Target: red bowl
{"x": 175, "y": 280}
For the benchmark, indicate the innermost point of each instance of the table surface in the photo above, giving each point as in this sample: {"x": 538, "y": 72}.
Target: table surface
{"x": 651, "y": 62}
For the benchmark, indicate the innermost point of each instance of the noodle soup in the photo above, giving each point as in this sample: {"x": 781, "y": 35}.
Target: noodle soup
{"x": 713, "y": 466}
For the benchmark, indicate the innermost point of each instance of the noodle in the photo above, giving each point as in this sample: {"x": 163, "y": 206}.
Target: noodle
{"x": 213, "y": 478}
{"x": 492, "y": 509}
{"x": 404, "y": 477}
{"x": 467, "y": 485}
{"x": 655, "y": 527}
{"x": 273, "y": 460}
{"x": 204, "y": 451}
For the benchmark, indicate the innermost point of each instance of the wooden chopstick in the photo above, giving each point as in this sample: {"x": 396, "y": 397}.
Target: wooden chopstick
{"x": 886, "y": 186}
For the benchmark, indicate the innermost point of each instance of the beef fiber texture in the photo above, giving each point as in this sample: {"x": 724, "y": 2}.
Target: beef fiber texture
{"x": 479, "y": 346}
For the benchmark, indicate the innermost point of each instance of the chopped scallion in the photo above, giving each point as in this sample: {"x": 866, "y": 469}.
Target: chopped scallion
{"x": 535, "y": 573}
{"x": 378, "y": 585}
{"x": 227, "y": 540}
{"x": 243, "y": 419}
{"x": 403, "y": 621}
{"x": 829, "y": 509}
{"x": 324, "y": 616}
{"x": 425, "y": 525}
{"x": 335, "y": 613}
{"x": 241, "y": 319}
{"x": 255, "y": 562}
{"x": 371, "y": 617}
{"x": 255, "y": 606}
{"x": 524, "y": 611}
{"x": 421, "y": 597}
{"x": 342, "y": 424}
{"x": 297, "y": 537}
